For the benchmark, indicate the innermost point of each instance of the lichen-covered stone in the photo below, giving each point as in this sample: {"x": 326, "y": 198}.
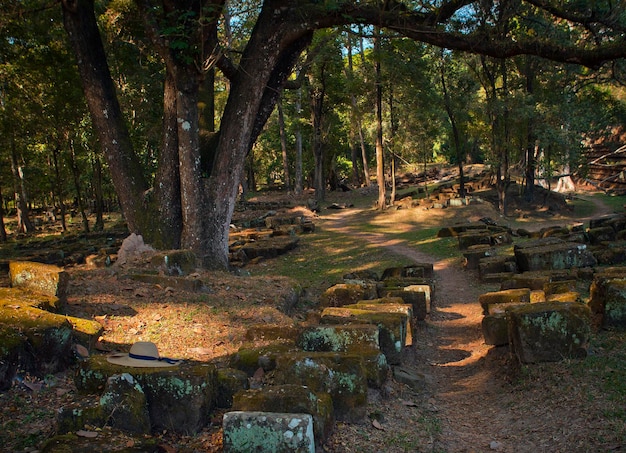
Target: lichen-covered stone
{"x": 180, "y": 399}
{"x": 249, "y": 359}
{"x": 78, "y": 415}
{"x": 124, "y": 404}
{"x": 344, "y": 294}
{"x": 417, "y": 300}
{"x": 549, "y": 331}
{"x": 268, "y": 431}
{"x": 341, "y": 375}
{"x": 607, "y": 300}
{"x": 495, "y": 329}
{"x": 507, "y": 296}
{"x": 13, "y": 296}
{"x": 390, "y": 305}
{"x": 229, "y": 382}
{"x": 359, "y": 339}
{"x": 176, "y": 262}
{"x": 39, "y": 277}
{"x": 557, "y": 256}
{"x": 47, "y": 348}
{"x": 392, "y": 327}
{"x": 272, "y": 332}
{"x": 418, "y": 270}
{"x": 10, "y": 345}
{"x": 291, "y": 398}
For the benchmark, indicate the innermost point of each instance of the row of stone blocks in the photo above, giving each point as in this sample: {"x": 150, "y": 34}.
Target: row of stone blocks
{"x": 286, "y": 394}
{"x": 542, "y": 316}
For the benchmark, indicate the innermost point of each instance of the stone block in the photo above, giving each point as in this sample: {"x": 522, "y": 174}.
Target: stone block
{"x": 339, "y": 338}
{"x": 556, "y": 256}
{"x": 549, "y": 331}
{"x": 417, "y": 300}
{"x": 455, "y": 230}
{"x": 246, "y": 432}
{"x": 250, "y": 358}
{"x": 469, "y": 239}
{"x": 600, "y": 234}
{"x": 344, "y": 294}
{"x": 10, "y": 346}
{"x": 342, "y": 376}
{"x": 41, "y": 278}
{"x": 291, "y": 398}
{"x": 31, "y": 298}
{"x": 390, "y": 305}
{"x": 607, "y": 301}
{"x": 495, "y": 329}
{"x": 124, "y": 404}
{"x": 496, "y": 277}
{"x": 229, "y": 382}
{"x": 176, "y": 262}
{"x": 426, "y": 289}
{"x": 569, "y": 296}
{"x": 392, "y": 327}
{"x": 180, "y": 399}
{"x": 419, "y": 270}
{"x": 474, "y": 253}
{"x": 177, "y": 283}
{"x": 598, "y": 222}
{"x": 508, "y": 296}
{"x": 496, "y": 264}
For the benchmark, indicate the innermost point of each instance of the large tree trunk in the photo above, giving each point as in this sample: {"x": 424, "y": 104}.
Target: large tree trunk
{"x": 127, "y": 174}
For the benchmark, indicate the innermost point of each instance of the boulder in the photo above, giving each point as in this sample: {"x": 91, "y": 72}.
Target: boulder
{"x": 549, "y": 331}
{"x": 268, "y": 431}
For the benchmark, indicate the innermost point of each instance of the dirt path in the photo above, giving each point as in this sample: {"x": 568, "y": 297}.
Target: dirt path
{"x": 467, "y": 383}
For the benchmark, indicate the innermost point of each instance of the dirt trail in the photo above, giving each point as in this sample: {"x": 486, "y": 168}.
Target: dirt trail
{"x": 467, "y": 382}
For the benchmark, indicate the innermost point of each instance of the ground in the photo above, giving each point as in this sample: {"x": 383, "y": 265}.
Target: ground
{"x": 473, "y": 397}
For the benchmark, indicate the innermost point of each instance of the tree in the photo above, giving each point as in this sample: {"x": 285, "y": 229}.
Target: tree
{"x": 184, "y": 35}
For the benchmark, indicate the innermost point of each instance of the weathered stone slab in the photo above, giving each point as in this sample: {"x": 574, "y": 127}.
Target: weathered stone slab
{"x": 607, "y": 300}
{"x": 178, "y": 283}
{"x": 39, "y": 277}
{"x": 467, "y": 240}
{"x": 549, "y": 331}
{"x": 417, "y": 300}
{"x": 508, "y": 296}
{"x": 25, "y": 296}
{"x": 495, "y": 329}
{"x": 556, "y": 256}
{"x": 497, "y": 277}
{"x": 390, "y": 305}
{"x": 418, "y": 270}
{"x": 496, "y": 264}
{"x": 600, "y": 234}
{"x": 474, "y": 253}
{"x": 272, "y": 332}
{"x": 559, "y": 286}
{"x": 455, "y": 230}
{"x": 246, "y": 432}
{"x": 610, "y": 253}
{"x": 176, "y": 262}
{"x": 426, "y": 290}
{"x": 250, "y": 358}
{"x": 229, "y": 382}
{"x": 569, "y": 296}
{"x": 180, "y": 399}
{"x": 291, "y": 398}
{"x": 342, "y": 376}
{"x": 344, "y": 294}
{"x": 603, "y": 220}
{"x": 47, "y": 345}
{"x": 392, "y": 327}
{"x": 124, "y": 404}
{"x": 10, "y": 345}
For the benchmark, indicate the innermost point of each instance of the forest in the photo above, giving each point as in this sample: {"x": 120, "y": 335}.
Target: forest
{"x": 172, "y": 111}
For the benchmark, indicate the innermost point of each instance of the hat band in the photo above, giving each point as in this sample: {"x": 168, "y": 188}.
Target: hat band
{"x": 147, "y": 357}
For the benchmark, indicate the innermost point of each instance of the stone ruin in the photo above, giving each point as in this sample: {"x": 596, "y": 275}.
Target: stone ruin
{"x": 556, "y": 284}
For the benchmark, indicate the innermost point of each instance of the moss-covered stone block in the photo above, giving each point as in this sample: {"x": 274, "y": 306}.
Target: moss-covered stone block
{"x": 176, "y": 262}
{"x": 565, "y": 255}
{"x": 249, "y": 359}
{"x": 469, "y": 239}
{"x": 177, "y": 283}
{"x": 569, "y": 296}
{"x": 600, "y": 234}
{"x": 229, "y": 382}
{"x": 496, "y": 264}
{"x": 507, "y": 296}
{"x": 291, "y": 398}
{"x": 124, "y": 404}
{"x": 85, "y": 331}
{"x": 47, "y": 346}
{"x": 105, "y": 442}
{"x": 268, "y": 431}
{"x": 417, "y": 270}
{"x": 10, "y": 346}
{"x": 42, "y": 278}
{"x": 607, "y": 300}
{"x": 346, "y": 293}
{"x": 180, "y": 399}
{"x": 13, "y": 296}
{"x": 417, "y": 300}
{"x": 549, "y": 331}
{"x": 392, "y": 327}
{"x": 495, "y": 329}
{"x": 359, "y": 339}
{"x": 390, "y": 305}
{"x": 341, "y": 375}
{"x": 78, "y": 415}
{"x": 272, "y": 332}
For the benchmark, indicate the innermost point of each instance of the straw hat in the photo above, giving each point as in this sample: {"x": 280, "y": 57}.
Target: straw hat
{"x": 142, "y": 354}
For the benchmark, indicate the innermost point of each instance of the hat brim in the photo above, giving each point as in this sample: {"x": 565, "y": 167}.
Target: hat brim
{"x": 125, "y": 360}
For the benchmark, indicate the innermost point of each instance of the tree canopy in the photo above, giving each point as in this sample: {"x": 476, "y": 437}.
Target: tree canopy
{"x": 220, "y": 67}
